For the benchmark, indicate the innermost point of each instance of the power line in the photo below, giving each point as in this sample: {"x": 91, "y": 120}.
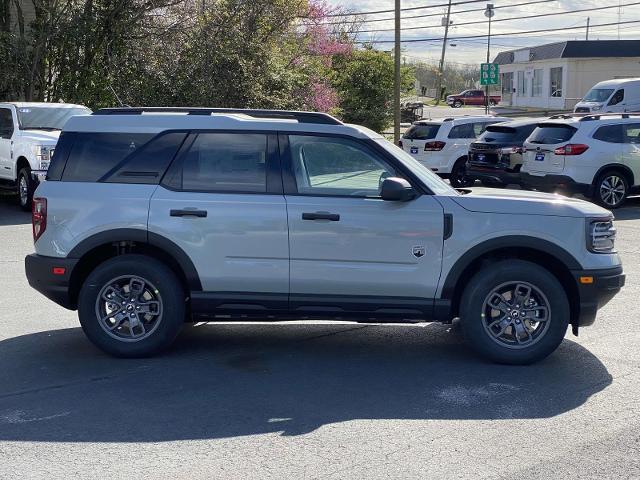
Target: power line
{"x": 406, "y": 9}
{"x": 566, "y": 12}
{"x": 526, "y": 32}
{"x": 389, "y": 19}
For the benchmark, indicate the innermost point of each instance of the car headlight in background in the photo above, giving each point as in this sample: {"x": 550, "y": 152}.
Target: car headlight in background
{"x": 601, "y": 235}
{"x": 44, "y": 154}
{"x": 596, "y": 108}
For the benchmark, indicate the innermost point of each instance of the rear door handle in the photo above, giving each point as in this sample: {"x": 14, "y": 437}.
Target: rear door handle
{"x": 188, "y": 212}
{"x": 334, "y": 217}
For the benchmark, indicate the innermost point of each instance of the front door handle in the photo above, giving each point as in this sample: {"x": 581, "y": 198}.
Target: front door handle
{"x": 188, "y": 212}
{"x": 334, "y": 217}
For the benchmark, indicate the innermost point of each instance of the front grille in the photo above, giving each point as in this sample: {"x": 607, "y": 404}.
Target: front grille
{"x": 582, "y": 110}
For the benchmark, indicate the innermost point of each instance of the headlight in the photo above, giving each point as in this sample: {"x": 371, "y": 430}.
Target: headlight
{"x": 595, "y": 108}
{"x": 44, "y": 154}
{"x": 601, "y": 235}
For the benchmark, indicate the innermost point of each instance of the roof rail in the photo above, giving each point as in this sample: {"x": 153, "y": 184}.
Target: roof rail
{"x": 596, "y": 116}
{"x": 301, "y": 117}
{"x": 562, "y": 116}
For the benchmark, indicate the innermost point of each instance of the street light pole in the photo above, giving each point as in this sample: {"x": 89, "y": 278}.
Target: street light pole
{"x": 446, "y": 22}
{"x": 396, "y": 85}
{"x": 489, "y": 12}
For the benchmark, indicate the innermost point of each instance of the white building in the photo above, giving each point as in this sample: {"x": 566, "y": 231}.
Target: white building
{"x": 557, "y": 75}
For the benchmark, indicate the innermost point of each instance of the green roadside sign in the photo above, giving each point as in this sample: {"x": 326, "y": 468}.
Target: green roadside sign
{"x": 489, "y": 73}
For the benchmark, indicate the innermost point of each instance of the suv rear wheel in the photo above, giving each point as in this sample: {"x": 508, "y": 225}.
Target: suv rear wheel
{"x": 611, "y": 189}
{"x": 515, "y": 312}
{"x": 458, "y": 177}
{"x": 131, "y": 306}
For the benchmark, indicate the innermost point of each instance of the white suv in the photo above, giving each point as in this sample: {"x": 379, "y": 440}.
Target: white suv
{"x": 443, "y": 145}
{"x": 596, "y": 155}
{"x": 28, "y": 136}
{"x": 147, "y": 221}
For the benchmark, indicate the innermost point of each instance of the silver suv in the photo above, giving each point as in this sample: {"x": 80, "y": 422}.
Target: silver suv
{"x": 153, "y": 217}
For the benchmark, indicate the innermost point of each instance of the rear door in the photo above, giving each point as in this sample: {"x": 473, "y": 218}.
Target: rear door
{"x": 631, "y": 148}
{"x": 540, "y": 158}
{"x": 221, "y": 202}
{"x": 351, "y": 250}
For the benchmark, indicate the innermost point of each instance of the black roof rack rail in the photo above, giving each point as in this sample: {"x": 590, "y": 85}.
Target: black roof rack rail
{"x": 301, "y": 117}
{"x": 559, "y": 116}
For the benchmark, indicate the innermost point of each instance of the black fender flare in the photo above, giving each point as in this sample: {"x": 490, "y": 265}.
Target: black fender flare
{"x": 497, "y": 244}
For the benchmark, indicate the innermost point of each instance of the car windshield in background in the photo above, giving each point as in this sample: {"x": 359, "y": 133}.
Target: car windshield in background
{"x": 503, "y": 134}
{"x": 598, "y": 95}
{"x": 550, "y": 134}
{"x": 47, "y": 118}
{"x": 422, "y": 131}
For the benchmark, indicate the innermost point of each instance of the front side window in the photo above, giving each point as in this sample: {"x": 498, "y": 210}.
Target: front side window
{"x": 336, "y": 166}
{"x": 479, "y": 128}
{"x": 226, "y": 162}
{"x": 465, "y": 130}
{"x": 47, "y": 118}
{"x": 555, "y": 79}
{"x": 6, "y": 123}
{"x": 617, "y": 97}
{"x": 632, "y": 133}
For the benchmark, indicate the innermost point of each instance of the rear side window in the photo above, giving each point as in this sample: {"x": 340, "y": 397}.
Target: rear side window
{"x": 60, "y": 155}
{"x": 226, "y": 162}
{"x": 550, "y": 134}
{"x": 95, "y": 154}
{"x": 422, "y": 131}
{"x": 609, "y": 133}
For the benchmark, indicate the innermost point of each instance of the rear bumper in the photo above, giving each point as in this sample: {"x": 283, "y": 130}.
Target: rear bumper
{"x": 604, "y": 286}
{"x": 549, "y": 183}
{"x": 493, "y": 174}
{"x": 56, "y": 287}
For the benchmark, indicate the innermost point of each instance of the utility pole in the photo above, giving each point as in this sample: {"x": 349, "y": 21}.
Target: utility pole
{"x": 447, "y": 22}
{"x": 588, "y": 20}
{"x": 489, "y": 13}
{"x": 396, "y": 85}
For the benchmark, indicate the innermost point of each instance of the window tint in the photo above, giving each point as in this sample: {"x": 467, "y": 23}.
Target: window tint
{"x": 422, "y": 131}
{"x": 149, "y": 162}
{"x": 609, "y": 133}
{"x": 60, "y": 155}
{"x": 632, "y": 133}
{"x": 95, "y": 154}
{"x": 617, "y": 97}
{"x": 465, "y": 130}
{"x": 549, "y": 134}
{"x": 336, "y": 166}
{"x": 6, "y": 123}
{"x": 226, "y": 162}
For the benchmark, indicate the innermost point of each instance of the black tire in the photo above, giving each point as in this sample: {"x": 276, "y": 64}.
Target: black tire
{"x": 473, "y": 313}
{"x": 161, "y": 282}
{"x": 457, "y": 104}
{"x": 610, "y": 189}
{"x": 492, "y": 103}
{"x": 458, "y": 177}
{"x": 25, "y": 188}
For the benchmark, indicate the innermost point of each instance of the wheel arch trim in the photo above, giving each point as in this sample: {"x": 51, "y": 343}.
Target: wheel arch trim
{"x": 616, "y": 166}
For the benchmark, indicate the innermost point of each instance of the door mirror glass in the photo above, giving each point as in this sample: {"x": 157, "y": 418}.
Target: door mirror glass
{"x": 395, "y": 189}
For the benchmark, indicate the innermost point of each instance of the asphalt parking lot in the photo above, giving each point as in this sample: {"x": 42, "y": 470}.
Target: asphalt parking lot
{"x": 300, "y": 401}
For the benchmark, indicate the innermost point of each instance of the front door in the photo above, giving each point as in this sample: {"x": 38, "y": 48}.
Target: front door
{"x": 350, "y": 250}
{"x": 221, "y": 202}
{"x": 7, "y": 129}
{"x": 631, "y": 148}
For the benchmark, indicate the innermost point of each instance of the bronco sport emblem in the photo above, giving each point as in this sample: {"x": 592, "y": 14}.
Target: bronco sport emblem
{"x": 418, "y": 251}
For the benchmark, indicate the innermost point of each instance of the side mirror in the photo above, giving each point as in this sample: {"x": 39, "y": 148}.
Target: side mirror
{"x": 395, "y": 189}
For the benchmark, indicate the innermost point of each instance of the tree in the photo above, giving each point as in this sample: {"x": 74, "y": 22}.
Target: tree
{"x": 364, "y": 80}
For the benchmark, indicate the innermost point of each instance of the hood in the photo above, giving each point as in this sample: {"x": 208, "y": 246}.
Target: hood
{"x": 41, "y": 137}
{"x": 523, "y": 202}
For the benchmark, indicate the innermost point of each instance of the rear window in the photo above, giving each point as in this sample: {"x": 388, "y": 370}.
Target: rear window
{"x": 422, "y": 131}
{"x": 503, "y": 134}
{"x": 550, "y": 134}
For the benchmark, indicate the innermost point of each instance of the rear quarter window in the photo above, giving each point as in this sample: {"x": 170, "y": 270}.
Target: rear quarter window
{"x": 550, "y": 134}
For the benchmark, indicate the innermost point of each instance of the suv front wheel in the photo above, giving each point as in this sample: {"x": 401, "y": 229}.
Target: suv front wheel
{"x": 611, "y": 189}
{"x": 514, "y": 312}
{"x": 458, "y": 177}
{"x": 26, "y": 187}
{"x": 132, "y": 306}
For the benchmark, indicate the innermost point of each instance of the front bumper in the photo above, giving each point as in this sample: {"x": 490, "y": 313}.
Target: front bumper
{"x": 54, "y": 286}
{"x": 552, "y": 183}
{"x": 595, "y": 294}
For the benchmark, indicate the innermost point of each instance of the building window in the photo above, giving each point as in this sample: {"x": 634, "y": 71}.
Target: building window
{"x": 555, "y": 85}
{"x": 521, "y": 84}
{"x": 536, "y": 83}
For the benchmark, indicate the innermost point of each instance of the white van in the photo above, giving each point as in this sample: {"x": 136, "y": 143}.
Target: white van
{"x": 620, "y": 95}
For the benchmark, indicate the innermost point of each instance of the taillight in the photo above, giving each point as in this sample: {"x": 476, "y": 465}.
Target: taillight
{"x": 400, "y": 143}
{"x": 39, "y": 217}
{"x": 571, "y": 149}
{"x": 434, "y": 146}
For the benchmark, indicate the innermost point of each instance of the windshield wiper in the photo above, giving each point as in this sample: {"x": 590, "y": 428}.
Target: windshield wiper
{"x": 41, "y": 128}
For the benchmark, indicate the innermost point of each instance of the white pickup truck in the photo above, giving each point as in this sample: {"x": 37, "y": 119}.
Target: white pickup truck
{"x": 28, "y": 136}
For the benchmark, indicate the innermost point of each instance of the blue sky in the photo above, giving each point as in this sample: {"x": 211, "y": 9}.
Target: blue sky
{"x": 474, "y": 50}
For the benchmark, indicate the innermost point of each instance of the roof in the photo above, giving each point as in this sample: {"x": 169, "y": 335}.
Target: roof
{"x": 576, "y": 49}
{"x": 461, "y": 119}
{"x": 521, "y": 122}
{"x": 43, "y": 104}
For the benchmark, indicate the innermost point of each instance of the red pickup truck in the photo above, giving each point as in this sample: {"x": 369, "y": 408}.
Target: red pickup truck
{"x": 471, "y": 97}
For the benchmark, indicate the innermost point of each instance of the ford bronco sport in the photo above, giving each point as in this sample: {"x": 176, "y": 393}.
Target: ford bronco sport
{"x": 153, "y": 217}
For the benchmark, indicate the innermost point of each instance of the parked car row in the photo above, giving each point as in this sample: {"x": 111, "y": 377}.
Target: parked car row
{"x": 594, "y": 155}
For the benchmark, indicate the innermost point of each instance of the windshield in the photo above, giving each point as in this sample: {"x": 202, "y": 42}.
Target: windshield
{"x": 422, "y": 131}
{"x": 47, "y": 118}
{"x": 598, "y": 95}
{"x": 430, "y": 179}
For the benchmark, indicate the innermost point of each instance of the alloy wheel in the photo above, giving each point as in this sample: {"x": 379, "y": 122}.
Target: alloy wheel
{"x": 612, "y": 190}
{"x": 23, "y": 190}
